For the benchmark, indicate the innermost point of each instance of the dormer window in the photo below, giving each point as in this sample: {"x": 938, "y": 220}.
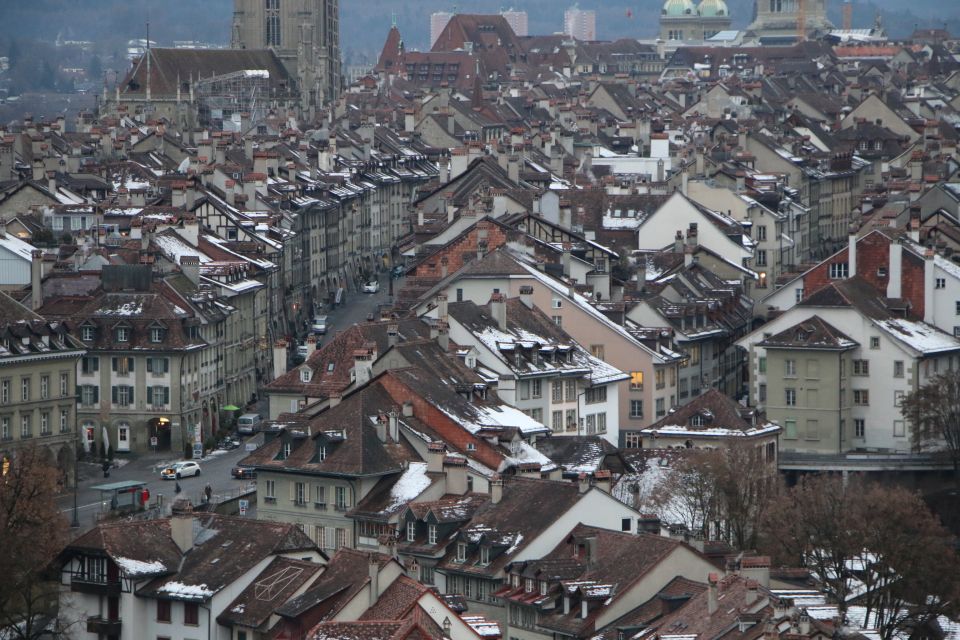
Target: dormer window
{"x": 515, "y": 580}
{"x": 484, "y": 555}
{"x": 87, "y": 333}
{"x": 305, "y": 374}
{"x": 528, "y": 585}
{"x": 123, "y": 334}
{"x": 330, "y": 366}
{"x": 696, "y": 421}
{"x": 432, "y": 534}
{"x": 543, "y": 587}
{"x": 285, "y": 451}
{"x": 156, "y": 334}
{"x": 411, "y": 531}
{"x": 321, "y": 453}
{"x": 517, "y": 358}
{"x": 461, "y": 552}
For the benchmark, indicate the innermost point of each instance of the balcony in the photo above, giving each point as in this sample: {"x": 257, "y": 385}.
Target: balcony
{"x": 103, "y": 627}
{"x": 81, "y": 584}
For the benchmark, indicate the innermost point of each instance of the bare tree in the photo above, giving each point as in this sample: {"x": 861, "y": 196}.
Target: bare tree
{"x": 687, "y": 494}
{"x": 34, "y": 532}
{"x": 877, "y": 545}
{"x": 933, "y": 412}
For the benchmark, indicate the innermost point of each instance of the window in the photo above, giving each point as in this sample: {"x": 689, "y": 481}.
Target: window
{"x": 694, "y": 351}
{"x": 64, "y": 426}
{"x": 44, "y": 387}
{"x": 798, "y": 294}
{"x": 557, "y": 320}
{"x": 26, "y": 426}
{"x": 761, "y": 392}
{"x": 556, "y": 303}
{"x": 631, "y": 440}
{"x": 596, "y": 350}
{"x": 556, "y": 422}
{"x": 87, "y": 333}
{"x": 536, "y": 388}
{"x": 601, "y": 423}
{"x": 556, "y": 391}
{"x": 861, "y": 367}
{"x": 122, "y": 366}
{"x": 897, "y": 398}
{"x": 270, "y": 489}
{"x": 636, "y": 408}
{"x": 158, "y": 396}
{"x": 45, "y": 423}
{"x": 624, "y": 524}
{"x": 839, "y": 270}
{"x": 320, "y": 496}
{"x": 571, "y": 420}
{"x": 156, "y": 334}
{"x": 191, "y": 613}
{"x": 859, "y": 427}
{"x": 661, "y": 408}
{"x": 411, "y": 531}
{"x": 660, "y": 379}
{"x": 64, "y": 385}
{"x": 461, "y": 552}
{"x": 484, "y": 555}
{"x": 25, "y": 389}
{"x": 591, "y": 424}
{"x": 899, "y": 430}
{"x": 158, "y": 366}
{"x": 761, "y": 232}
{"x": 5, "y": 428}
{"x": 861, "y": 397}
{"x": 790, "y": 368}
{"x": 594, "y": 395}
{"x": 524, "y": 387}
{"x": 874, "y": 342}
{"x": 305, "y": 374}
{"x": 459, "y": 295}
{"x": 813, "y": 430}
{"x": 790, "y": 429}
{"x": 957, "y": 307}
{"x": 299, "y": 493}
{"x": 163, "y": 611}
{"x": 636, "y": 381}
{"x": 941, "y": 283}
{"x": 122, "y": 395}
{"x": 790, "y": 397}
{"x": 4, "y": 392}
{"x": 123, "y": 334}
{"x": 432, "y": 534}
{"x": 898, "y": 368}
{"x": 761, "y": 257}
{"x": 571, "y": 390}
{"x": 341, "y": 497}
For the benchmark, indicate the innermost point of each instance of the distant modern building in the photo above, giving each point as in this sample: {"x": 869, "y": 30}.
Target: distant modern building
{"x": 682, "y": 20}
{"x": 304, "y": 34}
{"x": 579, "y": 23}
{"x": 517, "y": 21}
{"x": 780, "y": 20}
{"x": 438, "y": 22}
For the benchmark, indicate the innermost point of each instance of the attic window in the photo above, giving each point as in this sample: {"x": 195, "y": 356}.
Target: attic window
{"x": 156, "y": 334}
{"x": 87, "y": 333}
{"x": 461, "y": 552}
{"x": 305, "y": 374}
{"x": 284, "y": 451}
{"x": 330, "y": 366}
{"x": 123, "y": 334}
{"x": 471, "y": 446}
{"x": 696, "y": 421}
{"x": 484, "y": 555}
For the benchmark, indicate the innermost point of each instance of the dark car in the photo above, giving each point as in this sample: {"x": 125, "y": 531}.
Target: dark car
{"x": 243, "y": 473}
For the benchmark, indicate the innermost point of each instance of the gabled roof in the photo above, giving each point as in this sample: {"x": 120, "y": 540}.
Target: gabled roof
{"x": 276, "y": 584}
{"x": 812, "y": 333}
{"x": 711, "y": 414}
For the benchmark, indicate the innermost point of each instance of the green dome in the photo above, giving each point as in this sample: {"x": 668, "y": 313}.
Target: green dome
{"x": 678, "y": 8}
{"x": 713, "y": 9}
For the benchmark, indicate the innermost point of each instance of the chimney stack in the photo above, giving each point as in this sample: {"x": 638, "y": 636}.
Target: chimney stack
{"x": 895, "y": 270}
{"x": 712, "y": 603}
{"x": 751, "y": 593}
{"x": 496, "y": 489}
{"x": 407, "y": 409}
{"x": 393, "y": 421}
{"x": 373, "y": 572}
{"x": 603, "y": 480}
{"x": 190, "y": 267}
{"x": 393, "y": 334}
{"x": 36, "y": 279}
{"x": 929, "y": 279}
{"x": 498, "y": 310}
{"x": 311, "y": 343}
{"x": 852, "y": 251}
{"x": 181, "y": 524}
{"x": 526, "y": 296}
{"x": 583, "y": 483}
{"x": 436, "y": 452}
{"x": 279, "y": 358}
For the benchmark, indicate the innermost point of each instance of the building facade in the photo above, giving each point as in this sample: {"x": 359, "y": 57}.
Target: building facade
{"x": 305, "y": 34}
{"x": 580, "y": 24}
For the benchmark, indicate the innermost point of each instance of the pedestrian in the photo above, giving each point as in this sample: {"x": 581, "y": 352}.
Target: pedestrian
{"x": 208, "y": 491}
{"x": 177, "y": 489}
{"x": 106, "y": 469}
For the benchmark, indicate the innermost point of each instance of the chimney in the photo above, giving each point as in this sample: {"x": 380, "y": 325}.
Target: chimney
{"x": 756, "y": 568}
{"x": 513, "y": 169}
{"x": 335, "y": 398}
{"x": 36, "y": 279}
{"x": 181, "y": 524}
{"x": 895, "y": 270}
{"x": 393, "y": 422}
{"x": 381, "y": 427}
{"x": 852, "y": 252}
{"x": 526, "y": 296}
{"x": 311, "y": 343}
{"x": 455, "y": 471}
{"x": 496, "y": 489}
{"x": 436, "y": 452}
{"x": 583, "y": 483}
{"x": 442, "y": 306}
{"x": 804, "y": 623}
{"x": 591, "y": 546}
{"x": 692, "y": 240}
{"x": 750, "y": 596}
{"x": 363, "y": 362}
{"x": 393, "y": 334}
{"x": 498, "y": 310}
{"x": 678, "y": 242}
{"x": 279, "y": 358}
{"x": 443, "y": 335}
{"x": 712, "y": 604}
{"x": 190, "y": 267}
{"x": 565, "y": 259}
{"x": 373, "y": 572}
{"x": 915, "y": 223}
{"x": 407, "y": 409}
{"x": 929, "y": 275}
{"x": 444, "y": 171}
{"x": 603, "y": 480}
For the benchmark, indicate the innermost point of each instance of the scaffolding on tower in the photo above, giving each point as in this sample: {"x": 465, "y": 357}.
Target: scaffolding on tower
{"x": 224, "y": 98}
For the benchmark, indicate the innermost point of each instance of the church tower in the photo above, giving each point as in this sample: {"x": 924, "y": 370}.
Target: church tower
{"x": 305, "y": 35}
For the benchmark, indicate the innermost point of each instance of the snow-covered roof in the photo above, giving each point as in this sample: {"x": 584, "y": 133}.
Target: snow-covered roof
{"x": 135, "y": 568}
{"x": 919, "y": 336}
{"x": 409, "y": 485}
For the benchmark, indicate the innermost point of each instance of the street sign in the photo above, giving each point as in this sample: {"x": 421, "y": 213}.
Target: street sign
{"x": 197, "y": 450}
{"x": 154, "y": 441}
{"x": 244, "y": 504}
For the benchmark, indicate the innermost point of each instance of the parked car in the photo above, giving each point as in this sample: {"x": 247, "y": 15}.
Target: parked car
{"x": 243, "y": 473}
{"x": 319, "y": 325}
{"x": 181, "y": 470}
{"x": 229, "y": 444}
{"x": 249, "y": 423}
{"x": 302, "y": 351}
{"x": 371, "y": 287}
{"x": 398, "y": 271}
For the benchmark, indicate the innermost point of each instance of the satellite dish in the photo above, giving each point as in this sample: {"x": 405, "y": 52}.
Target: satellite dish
{"x": 184, "y": 166}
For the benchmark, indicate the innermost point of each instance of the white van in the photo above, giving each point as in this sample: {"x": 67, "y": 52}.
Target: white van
{"x": 249, "y": 423}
